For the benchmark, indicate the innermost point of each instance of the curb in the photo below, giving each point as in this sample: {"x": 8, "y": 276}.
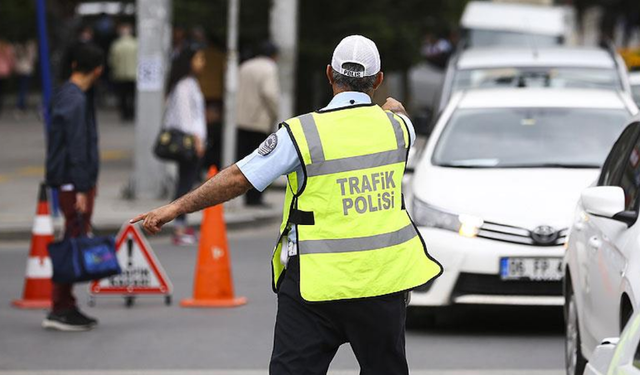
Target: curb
{"x": 234, "y": 220}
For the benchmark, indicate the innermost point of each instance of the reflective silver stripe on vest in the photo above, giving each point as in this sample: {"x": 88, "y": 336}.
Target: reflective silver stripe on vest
{"x": 357, "y": 162}
{"x": 397, "y": 129}
{"x": 348, "y": 245}
{"x": 310, "y": 131}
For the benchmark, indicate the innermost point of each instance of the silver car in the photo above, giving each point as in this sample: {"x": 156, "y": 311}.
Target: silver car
{"x": 602, "y": 261}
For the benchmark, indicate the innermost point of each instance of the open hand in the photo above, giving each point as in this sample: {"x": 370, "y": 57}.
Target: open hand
{"x": 153, "y": 221}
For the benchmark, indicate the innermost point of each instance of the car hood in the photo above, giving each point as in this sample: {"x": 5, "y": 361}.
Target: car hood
{"x": 524, "y": 198}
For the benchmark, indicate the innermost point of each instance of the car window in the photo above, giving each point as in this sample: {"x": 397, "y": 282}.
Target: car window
{"x": 612, "y": 169}
{"x": 492, "y": 38}
{"x": 635, "y": 90}
{"x": 574, "y": 77}
{"x": 630, "y": 179}
{"x": 529, "y": 137}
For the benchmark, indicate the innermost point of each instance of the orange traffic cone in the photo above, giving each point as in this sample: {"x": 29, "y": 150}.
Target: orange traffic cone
{"x": 213, "y": 286}
{"x": 37, "y": 285}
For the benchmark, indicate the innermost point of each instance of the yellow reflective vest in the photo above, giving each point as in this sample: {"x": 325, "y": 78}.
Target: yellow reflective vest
{"x": 355, "y": 239}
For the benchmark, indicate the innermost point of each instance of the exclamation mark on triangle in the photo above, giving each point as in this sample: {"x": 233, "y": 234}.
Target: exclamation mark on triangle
{"x": 130, "y": 252}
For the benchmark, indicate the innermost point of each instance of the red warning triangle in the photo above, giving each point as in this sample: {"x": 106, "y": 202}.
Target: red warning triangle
{"x": 142, "y": 273}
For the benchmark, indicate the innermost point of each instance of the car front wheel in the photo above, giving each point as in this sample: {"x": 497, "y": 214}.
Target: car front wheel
{"x": 574, "y": 361}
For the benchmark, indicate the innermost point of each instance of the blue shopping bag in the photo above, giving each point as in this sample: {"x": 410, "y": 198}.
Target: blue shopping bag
{"x": 83, "y": 259}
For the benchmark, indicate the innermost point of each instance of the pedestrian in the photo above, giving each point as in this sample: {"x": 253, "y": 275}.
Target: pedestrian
{"x": 179, "y": 41}
{"x": 72, "y": 166}
{"x": 123, "y": 60}
{"x": 7, "y": 62}
{"x": 257, "y": 105}
{"x": 347, "y": 253}
{"x": 186, "y": 112}
{"x": 84, "y": 37}
{"x": 26, "y": 54}
{"x": 211, "y": 82}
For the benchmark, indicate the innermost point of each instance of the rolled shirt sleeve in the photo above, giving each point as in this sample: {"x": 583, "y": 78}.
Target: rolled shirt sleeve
{"x": 264, "y": 165}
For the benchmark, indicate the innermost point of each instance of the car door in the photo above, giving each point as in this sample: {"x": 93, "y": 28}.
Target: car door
{"x": 608, "y": 244}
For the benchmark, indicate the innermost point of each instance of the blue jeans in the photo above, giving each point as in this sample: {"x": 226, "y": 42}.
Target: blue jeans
{"x": 23, "y": 90}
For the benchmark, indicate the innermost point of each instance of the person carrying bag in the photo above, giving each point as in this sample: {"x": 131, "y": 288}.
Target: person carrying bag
{"x": 72, "y": 167}
{"x": 184, "y": 130}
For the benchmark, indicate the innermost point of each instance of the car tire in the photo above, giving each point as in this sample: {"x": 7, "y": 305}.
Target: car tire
{"x": 574, "y": 360}
{"x": 419, "y": 317}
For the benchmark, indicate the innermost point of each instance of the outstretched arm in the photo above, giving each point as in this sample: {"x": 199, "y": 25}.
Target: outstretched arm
{"x": 224, "y": 186}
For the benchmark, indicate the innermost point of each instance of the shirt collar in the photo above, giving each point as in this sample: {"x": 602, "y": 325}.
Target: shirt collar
{"x": 347, "y": 99}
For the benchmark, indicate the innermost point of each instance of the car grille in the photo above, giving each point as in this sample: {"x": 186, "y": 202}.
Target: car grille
{"x": 473, "y": 283}
{"x": 508, "y": 233}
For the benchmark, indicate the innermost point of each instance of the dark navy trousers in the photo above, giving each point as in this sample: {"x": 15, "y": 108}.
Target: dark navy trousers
{"x": 308, "y": 335}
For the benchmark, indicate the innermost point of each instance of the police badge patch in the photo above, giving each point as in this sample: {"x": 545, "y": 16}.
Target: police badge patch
{"x": 268, "y": 145}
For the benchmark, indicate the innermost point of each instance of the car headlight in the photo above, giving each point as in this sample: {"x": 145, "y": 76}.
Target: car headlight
{"x": 429, "y": 216}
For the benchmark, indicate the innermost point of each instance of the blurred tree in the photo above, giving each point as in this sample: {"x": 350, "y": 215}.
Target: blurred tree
{"x": 17, "y": 20}
{"x": 212, "y": 16}
{"x": 397, "y": 27}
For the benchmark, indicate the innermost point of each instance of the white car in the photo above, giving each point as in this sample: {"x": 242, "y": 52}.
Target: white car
{"x": 495, "y": 188}
{"x": 618, "y": 356}
{"x": 556, "y": 67}
{"x": 634, "y": 80}
{"x": 602, "y": 283}
{"x": 486, "y": 23}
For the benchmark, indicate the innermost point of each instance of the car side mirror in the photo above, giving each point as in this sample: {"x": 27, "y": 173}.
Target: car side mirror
{"x": 422, "y": 122}
{"x": 608, "y": 202}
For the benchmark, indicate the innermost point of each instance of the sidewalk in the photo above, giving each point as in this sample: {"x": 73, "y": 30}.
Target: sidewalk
{"x": 22, "y": 153}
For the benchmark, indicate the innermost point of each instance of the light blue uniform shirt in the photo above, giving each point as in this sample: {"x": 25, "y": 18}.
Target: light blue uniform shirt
{"x": 262, "y": 170}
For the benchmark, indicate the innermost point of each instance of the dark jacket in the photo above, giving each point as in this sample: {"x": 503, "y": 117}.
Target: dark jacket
{"x": 72, "y": 145}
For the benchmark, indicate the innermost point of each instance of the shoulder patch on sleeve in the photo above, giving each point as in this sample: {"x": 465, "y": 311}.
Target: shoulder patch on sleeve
{"x": 268, "y": 145}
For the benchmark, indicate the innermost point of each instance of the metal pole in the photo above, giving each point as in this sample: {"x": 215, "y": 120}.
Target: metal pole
{"x": 231, "y": 85}
{"x": 154, "y": 38}
{"x": 284, "y": 33}
{"x": 47, "y": 84}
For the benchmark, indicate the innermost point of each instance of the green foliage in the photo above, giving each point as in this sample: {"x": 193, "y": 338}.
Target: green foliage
{"x": 212, "y": 15}
{"x": 18, "y": 19}
{"x": 397, "y": 26}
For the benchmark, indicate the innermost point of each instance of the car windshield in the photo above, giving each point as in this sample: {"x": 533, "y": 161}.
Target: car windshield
{"x": 537, "y": 77}
{"x": 529, "y": 137}
{"x": 492, "y": 38}
{"x": 635, "y": 90}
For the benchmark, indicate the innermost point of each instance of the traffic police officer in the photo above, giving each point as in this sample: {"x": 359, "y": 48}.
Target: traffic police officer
{"x": 347, "y": 252}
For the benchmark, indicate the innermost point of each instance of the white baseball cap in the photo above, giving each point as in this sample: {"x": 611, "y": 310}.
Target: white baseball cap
{"x": 358, "y": 50}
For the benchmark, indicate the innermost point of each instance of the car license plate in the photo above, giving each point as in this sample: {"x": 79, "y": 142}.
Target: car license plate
{"x": 536, "y": 269}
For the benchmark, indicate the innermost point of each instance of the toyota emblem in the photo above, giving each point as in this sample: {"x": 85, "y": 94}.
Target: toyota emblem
{"x": 544, "y": 235}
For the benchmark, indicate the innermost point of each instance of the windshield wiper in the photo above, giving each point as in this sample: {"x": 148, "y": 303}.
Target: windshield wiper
{"x": 468, "y": 166}
{"x": 551, "y": 165}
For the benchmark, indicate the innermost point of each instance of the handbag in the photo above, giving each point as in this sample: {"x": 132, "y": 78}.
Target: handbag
{"x": 83, "y": 258}
{"x": 175, "y": 145}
